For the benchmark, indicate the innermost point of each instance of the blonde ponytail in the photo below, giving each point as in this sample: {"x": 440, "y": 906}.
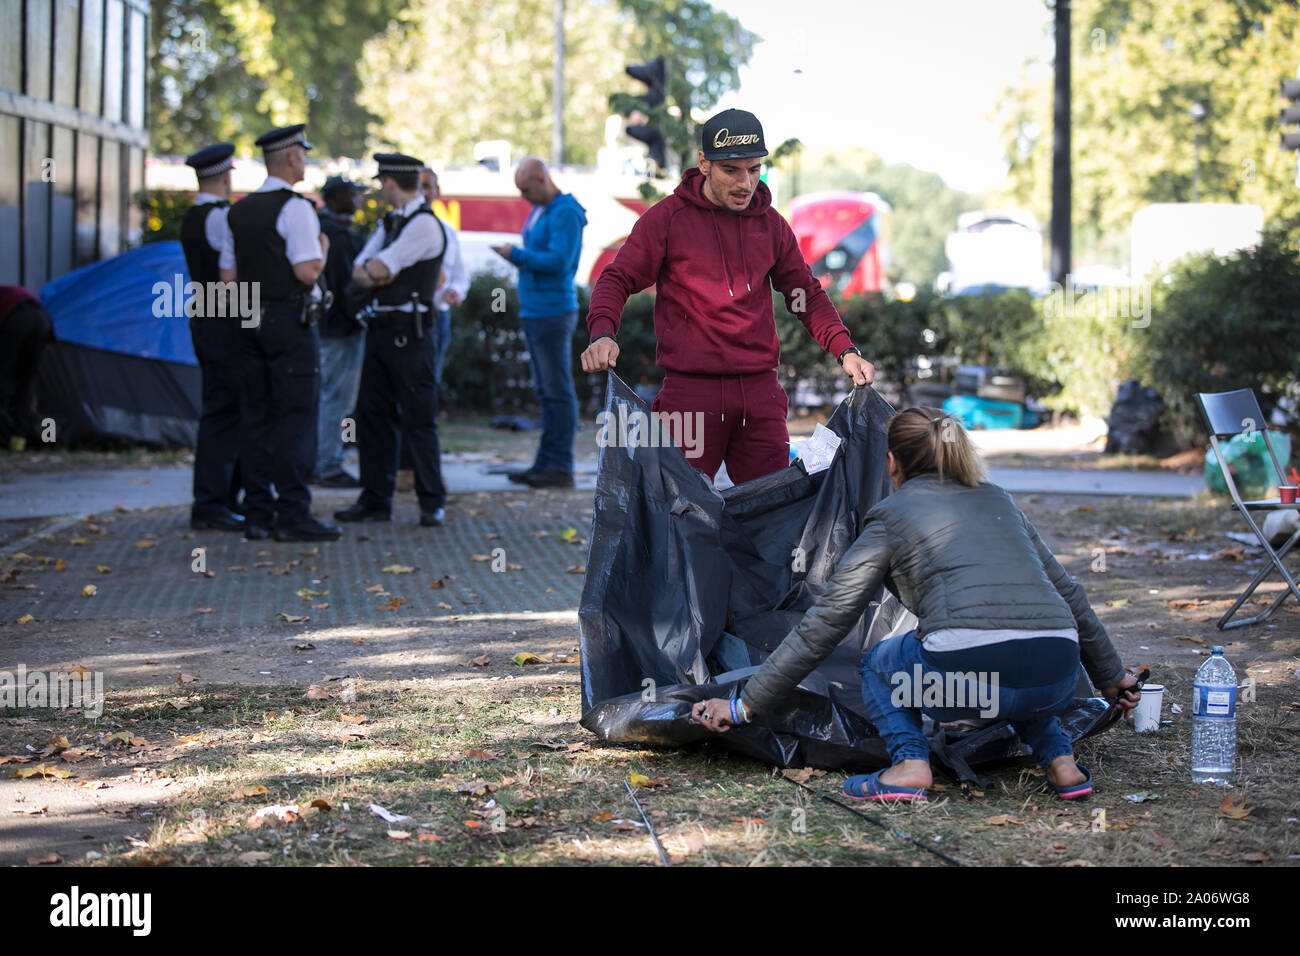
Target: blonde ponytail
{"x": 926, "y": 439}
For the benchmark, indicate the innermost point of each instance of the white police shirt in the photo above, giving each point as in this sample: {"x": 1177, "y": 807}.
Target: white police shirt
{"x": 215, "y": 227}
{"x": 297, "y": 224}
{"x": 419, "y": 239}
{"x": 454, "y": 263}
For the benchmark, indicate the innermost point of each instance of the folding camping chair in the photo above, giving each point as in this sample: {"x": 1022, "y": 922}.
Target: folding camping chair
{"x": 1227, "y": 414}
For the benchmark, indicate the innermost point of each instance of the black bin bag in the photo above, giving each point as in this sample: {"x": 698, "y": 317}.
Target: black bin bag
{"x": 688, "y": 589}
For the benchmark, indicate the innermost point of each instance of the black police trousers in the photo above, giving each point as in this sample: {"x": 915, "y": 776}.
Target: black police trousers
{"x": 216, "y": 453}
{"x": 280, "y": 372}
{"x": 398, "y": 405}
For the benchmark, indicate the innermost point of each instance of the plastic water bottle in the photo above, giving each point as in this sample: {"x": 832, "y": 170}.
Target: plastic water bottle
{"x": 1214, "y": 721}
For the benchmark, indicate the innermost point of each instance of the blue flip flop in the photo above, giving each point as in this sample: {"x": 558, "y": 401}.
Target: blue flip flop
{"x": 869, "y": 787}
{"x": 1074, "y": 790}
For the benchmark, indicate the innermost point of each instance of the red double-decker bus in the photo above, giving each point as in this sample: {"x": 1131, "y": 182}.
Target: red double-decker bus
{"x": 843, "y": 236}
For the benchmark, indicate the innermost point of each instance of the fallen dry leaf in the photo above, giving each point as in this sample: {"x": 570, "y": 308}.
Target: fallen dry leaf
{"x": 89, "y": 590}
{"x": 203, "y": 610}
{"x": 641, "y": 780}
{"x": 444, "y": 605}
{"x": 480, "y": 754}
{"x": 305, "y": 647}
{"x": 576, "y": 569}
{"x": 60, "y": 565}
{"x": 320, "y": 607}
{"x": 1234, "y": 809}
{"x": 103, "y": 569}
{"x": 145, "y": 543}
{"x": 1002, "y": 819}
{"x": 253, "y": 856}
{"x": 316, "y": 692}
{"x": 49, "y": 859}
{"x": 243, "y": 793}
{"x": 293, "y": 618}
{"x": 437, "y": 584}
{"x": 525, "y": 658}
{"x": 392, "y": 605}
{"x": 399, "y": 834}
{"x": 483, "y": 660}
{"x": 804, "y": 775}
{"x": 398, "y": 569}
{"x": 184, "y": 678}
{"x": 375, "y": 589}
{"x": 187, "y": 738}
{"x": 353, "y": 719}
{"x": 44, "y": 771}
{"x": 25, "y": 619}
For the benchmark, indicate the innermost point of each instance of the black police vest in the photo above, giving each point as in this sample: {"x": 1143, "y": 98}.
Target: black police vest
{"x": 259, "y": 249}
{"x": 420, "y": 278}
{"x": 200, "y": 257}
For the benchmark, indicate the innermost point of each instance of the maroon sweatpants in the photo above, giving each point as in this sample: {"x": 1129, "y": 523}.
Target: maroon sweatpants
{"x": 739, "y": 419}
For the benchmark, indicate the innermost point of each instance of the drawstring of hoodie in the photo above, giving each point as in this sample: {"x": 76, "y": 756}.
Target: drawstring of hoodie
{"x": 721, "y": 254}
{"x": 744, "y": 266}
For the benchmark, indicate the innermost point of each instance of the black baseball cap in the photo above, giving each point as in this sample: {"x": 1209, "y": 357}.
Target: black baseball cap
{"x": 336, "y": 184}
{"x": 733, "y": 134}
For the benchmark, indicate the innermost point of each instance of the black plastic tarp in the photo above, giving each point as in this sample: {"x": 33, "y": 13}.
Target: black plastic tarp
{"x": 689, "y": 588}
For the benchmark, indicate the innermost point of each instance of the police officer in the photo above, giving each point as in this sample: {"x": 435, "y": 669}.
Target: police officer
{"x": 402, "y": 263}
{"x": 275, "y": 241}
{"x": 216, "y": 346}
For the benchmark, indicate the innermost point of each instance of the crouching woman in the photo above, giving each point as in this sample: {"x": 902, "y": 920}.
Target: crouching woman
{"x": 1001, "y": 625}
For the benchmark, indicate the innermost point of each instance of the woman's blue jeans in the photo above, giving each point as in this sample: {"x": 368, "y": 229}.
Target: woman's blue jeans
{"x": 895, "y": 701}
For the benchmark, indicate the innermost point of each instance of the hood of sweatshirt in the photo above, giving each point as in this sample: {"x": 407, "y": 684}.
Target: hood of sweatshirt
{"x": 691, "y": 189}
{"x": 566, "y": 201}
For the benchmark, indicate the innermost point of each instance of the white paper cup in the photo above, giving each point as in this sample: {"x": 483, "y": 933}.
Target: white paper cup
{"x": 1146, "y": 716}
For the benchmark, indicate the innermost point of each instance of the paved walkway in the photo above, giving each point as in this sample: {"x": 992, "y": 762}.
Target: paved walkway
{"x": 92, "y": 492}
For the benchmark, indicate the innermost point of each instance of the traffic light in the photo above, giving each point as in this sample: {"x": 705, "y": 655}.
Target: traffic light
{"x": 1291, "y": 115}
{"x": 652, "y": 74}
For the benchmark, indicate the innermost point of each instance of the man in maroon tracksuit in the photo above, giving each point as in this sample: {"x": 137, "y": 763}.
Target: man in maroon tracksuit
{"x": 715, "y": 249}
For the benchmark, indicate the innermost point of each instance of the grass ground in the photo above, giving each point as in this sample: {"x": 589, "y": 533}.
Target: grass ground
{"x": 494, "y": 772}
{"x": 490, "y": 766}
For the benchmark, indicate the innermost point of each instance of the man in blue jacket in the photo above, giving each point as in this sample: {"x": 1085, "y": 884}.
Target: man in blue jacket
{"x": 548, "y": 311}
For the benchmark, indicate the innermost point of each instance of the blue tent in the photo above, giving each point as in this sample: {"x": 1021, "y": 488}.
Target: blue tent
{"x": 122, "y": 365}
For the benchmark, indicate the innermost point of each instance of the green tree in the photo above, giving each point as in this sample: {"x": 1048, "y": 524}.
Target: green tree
{"x": 1140, "y": 67}
{"x": 447, "y": 74}
{"x": 228, "y": 69}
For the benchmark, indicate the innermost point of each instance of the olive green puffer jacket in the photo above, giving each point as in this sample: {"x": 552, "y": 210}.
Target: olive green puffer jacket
{"x": 957, "y": 557}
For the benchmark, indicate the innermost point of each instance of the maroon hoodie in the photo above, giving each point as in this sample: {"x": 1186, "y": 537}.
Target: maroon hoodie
{"x": 715, "y": 271}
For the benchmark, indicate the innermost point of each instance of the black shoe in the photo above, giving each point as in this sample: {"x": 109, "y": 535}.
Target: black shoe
{"x": 256, "y": 532}
{"x": 220, "y": 521}
{"x": 359, "y": 512}
{"x": 433, "y": 519}
{"x": 309, "y": 529}
{"x": 550, "y": 478}
{"x": 339, "y": 479}
{"x": 522, "y": 477}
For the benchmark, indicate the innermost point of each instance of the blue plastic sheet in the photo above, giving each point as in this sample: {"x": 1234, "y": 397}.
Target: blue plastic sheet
{"x": 115, "y": 305}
